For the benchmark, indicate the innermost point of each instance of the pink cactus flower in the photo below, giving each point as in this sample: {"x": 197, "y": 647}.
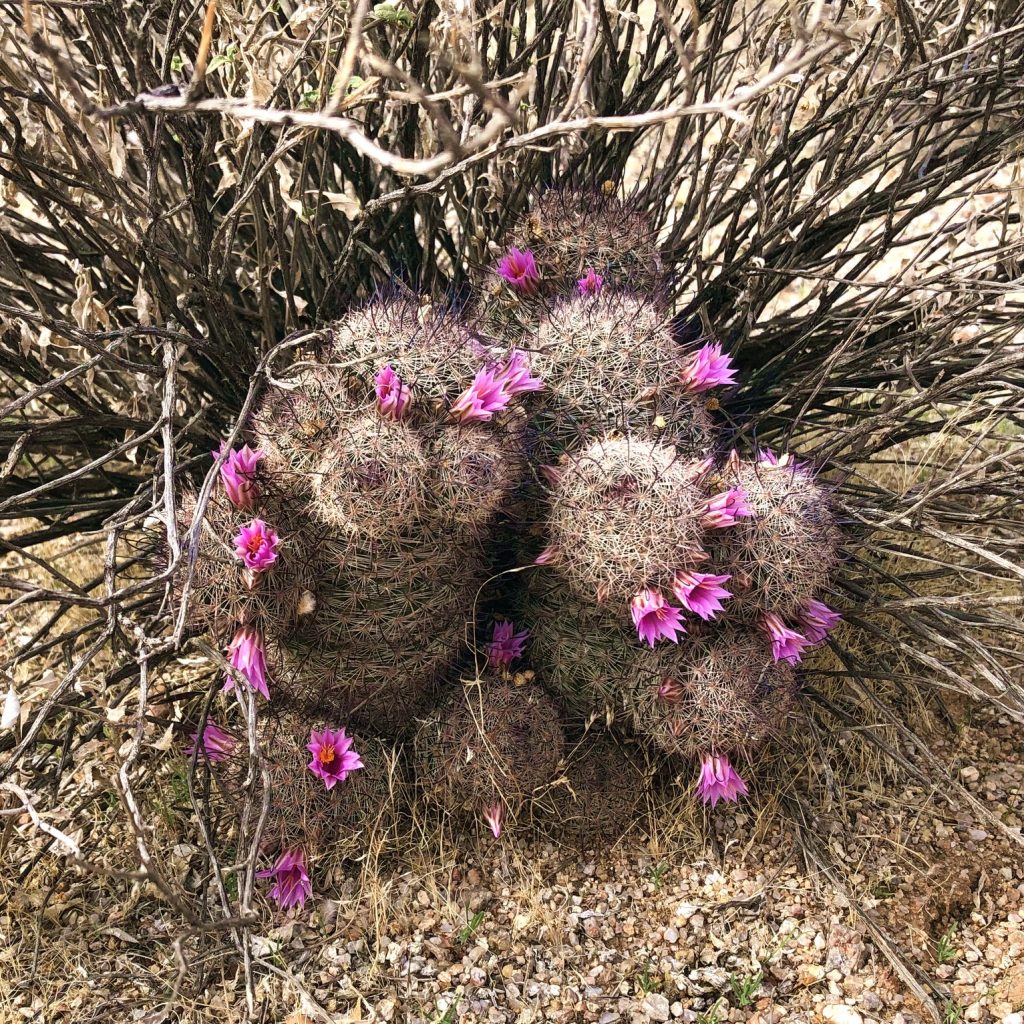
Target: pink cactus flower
{"x": 505, "y": 644}
{"x": 483, "y": 398}
{"x": 724, "y": 509}
{"x": 655, "y": 618}
{"x": 247, "y": 655}
{"x": 670, "y": 690}
{"x": 549, "y": 556}
{"x": 817, "y": 620}
{"x": 787, "y": 644}
{"x": 766, "y": 457}
{"x": 333, "y": 756}
{"x": 590, "y": 283}
{"x": 519, "y": 269}
{"x": 393, "y": 396}
{"x": 701, "y": 592}
{"x": 698, "y": 470}
{"x": 719, "y": 780}
{"x": 256, "y": 545}
{"x": 238, "y": 475}
{"x": 216, "y": 743}
{"x": 494, "y": 816}
{"x": 515, "y": 375}
{"x": 291, "y": 879}
{"x": 708, "y": 369}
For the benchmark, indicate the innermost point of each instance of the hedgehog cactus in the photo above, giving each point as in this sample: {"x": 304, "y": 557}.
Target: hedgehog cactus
{"x": 784, "y": 553}
{"x": 347, "y": 543}
{"x": 486, "y": 751}
{"x": 368, "y": 501}
{"x": 627, "y": 515}
{"x": 328, "y": 822}
{"x": 578, "y": 236}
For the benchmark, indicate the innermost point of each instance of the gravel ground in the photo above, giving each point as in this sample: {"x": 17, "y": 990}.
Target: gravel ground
{"x": 725, "y": 925}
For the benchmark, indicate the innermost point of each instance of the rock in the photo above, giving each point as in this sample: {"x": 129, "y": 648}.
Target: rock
{"x": 846, "y": 949}
{"x": 840, "y": 1013}
{"x": 871, "y": 1001}
{"x": 656, "y": 1006}
{"x": 1015, "y": 990}
{"x": 810, "y": 974}
{"x": 1014, "y": 1018}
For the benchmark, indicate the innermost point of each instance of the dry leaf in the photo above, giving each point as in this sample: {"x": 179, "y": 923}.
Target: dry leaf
{"x": 12, "y": 711}
{"x": 166, "y": 741}
{"x": 348, "y": 205}
{"x": 144, "y": 306}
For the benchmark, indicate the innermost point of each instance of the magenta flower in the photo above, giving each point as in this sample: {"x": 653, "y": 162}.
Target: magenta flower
{"x": 256, "y": 545}
{"x": 590, "y": 283}
{"x": 494, "y": 816}
{"x": 719, "y": 780}
{"x": 724, "y": 509}
{"x": 238, "y": 475}
{"x": 700, "y": 592}
{"x": 393, "y": 396}
{"x": 333, "y": 756}
{"x": 483, "y": 398}
{"x": 670, "y": 690}
{"x": 787, "y": 644}
{"x": 515, "y": 377}
{"x": 708, "y": 369}
{"x": 655, "y": 618}
{"x": 549, "y": 556}
{"x": 247, "y": 655}
{"x": 766, "y": 457}
{"x": 505, "y": 644}
{"x": 291, "y": 879}
{"x": 217, "y": 744}
{"x": 817, "y": 620}
{"x": 519, "y": 269}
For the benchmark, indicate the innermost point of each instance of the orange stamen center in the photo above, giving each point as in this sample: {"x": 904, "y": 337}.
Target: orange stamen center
{"x": 327, "y": 754}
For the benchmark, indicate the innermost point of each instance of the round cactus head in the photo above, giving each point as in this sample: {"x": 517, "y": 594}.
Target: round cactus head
{"x": 474, "y": 471}
{"x": 625, "y": 515}
{"x": 293, "y": 422}
{"x": 371, "y": 479}
{"x": 484, "y": 753}
{"x": 782, "y": 554}
{"x": 431, "y": 356}
{"x": 584, "y": 239}
{"x": 602, "y": 791}
{"x": 326, "y": 821}
{"x": 721, "y": 691}
{"x": 609, "y": 362}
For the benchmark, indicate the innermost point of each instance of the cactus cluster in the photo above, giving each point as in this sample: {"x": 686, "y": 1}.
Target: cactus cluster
{"x": 666, "y": 586}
